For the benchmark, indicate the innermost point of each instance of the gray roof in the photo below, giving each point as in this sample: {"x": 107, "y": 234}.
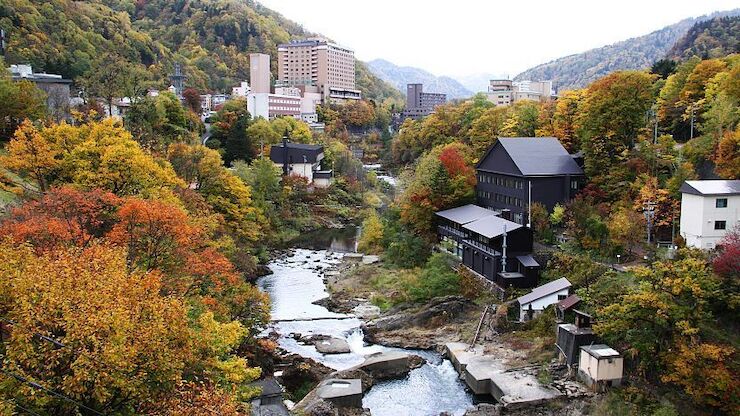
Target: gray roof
{"x": 544, "y": 290}
{"x": 600, "y": 351}
{"x": 491, "y": 226}
{"x": 540, "y": 156}
{"x": 528, "y": 261}
{"x": 465, "y": 214}
{"x": 712, "y": 187}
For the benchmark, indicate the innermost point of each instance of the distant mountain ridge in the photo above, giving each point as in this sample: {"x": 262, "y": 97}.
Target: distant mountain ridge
{"x": 399, "y": 76}
{"x": 579, "y": 70}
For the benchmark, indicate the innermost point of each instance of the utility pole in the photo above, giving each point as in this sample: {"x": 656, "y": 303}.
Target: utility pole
{"x": 692, "y": 121}
{"x": 648, "y": 209}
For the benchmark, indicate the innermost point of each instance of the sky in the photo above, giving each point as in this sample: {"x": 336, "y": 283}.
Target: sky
{"x": 466, "y": 37}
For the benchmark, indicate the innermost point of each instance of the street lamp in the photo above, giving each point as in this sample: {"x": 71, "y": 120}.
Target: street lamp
{"x": 648, "y": 209}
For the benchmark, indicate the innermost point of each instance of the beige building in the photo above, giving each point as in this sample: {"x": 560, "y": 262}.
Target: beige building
{"x": 600, "y": 366}
{"x": 259, "y": 72}
{"x": 503, "y": 92}
{"x": 317, "y": 62}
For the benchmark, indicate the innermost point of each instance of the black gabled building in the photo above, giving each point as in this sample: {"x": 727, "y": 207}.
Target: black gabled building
{"x": 517, "y": 171}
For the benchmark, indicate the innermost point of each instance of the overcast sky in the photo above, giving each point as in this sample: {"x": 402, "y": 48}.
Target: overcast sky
{"x": 464, "y": 37}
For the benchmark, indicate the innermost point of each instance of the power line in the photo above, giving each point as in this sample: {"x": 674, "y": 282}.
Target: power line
{"x": 49, "y": 391}
{"x": 29, "y": 411}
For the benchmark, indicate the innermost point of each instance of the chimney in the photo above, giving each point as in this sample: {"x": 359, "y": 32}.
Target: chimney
{"x": 285, "y": 153}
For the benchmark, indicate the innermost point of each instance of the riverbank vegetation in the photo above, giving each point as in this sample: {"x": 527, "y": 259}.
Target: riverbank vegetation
{"x": 148, "y": 242}
{"x": 671, "y": 317}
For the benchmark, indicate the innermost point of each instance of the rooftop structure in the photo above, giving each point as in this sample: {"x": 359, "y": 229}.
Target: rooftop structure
{"x": 541, "y": 297}
{"x": 419, "y": 103}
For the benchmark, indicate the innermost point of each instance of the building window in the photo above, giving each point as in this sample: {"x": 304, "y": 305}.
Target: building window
{"x": 574, "y": 185}
{"x": 720, "y": 225}
{"x": 721, "y": 203}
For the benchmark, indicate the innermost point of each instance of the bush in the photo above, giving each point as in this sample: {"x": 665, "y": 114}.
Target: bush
{"x": 438, "y": 278}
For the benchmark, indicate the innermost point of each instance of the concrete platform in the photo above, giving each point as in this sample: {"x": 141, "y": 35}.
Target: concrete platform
{"x": 459, "y": 355}
{"x": 341, "y": 392}
{"x": 478, "y": 373}
{"x": 517, "y": 389}
{"x": 487, "y": 375}
{"x": 332, "y": 346}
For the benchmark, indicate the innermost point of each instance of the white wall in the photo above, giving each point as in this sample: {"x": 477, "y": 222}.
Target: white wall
{"x": 698, "y": 214}
{"x": 258, "y": 105}
{"x": 541, "y": 303}
{"x": 299, "y": 169}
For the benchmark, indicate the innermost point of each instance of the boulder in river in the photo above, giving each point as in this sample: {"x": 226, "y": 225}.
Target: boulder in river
{"x": 332, "y": 346}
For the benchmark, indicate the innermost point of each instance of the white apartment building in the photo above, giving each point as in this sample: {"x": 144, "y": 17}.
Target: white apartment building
{"x": 708, "y": 209}
{"x": 504, "y": 92}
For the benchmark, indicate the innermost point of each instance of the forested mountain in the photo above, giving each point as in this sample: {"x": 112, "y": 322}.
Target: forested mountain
{"x": 579, "y": 70}
{"x": 399, "y": 76}
{"x": 709, "y": 39}
{"x": 211, "y": 38}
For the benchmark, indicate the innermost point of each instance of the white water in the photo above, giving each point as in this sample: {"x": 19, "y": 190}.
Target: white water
{"x": 296, "y": 282}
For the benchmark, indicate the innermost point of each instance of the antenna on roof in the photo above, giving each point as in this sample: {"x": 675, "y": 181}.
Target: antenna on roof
{"x": 503, "y": 255}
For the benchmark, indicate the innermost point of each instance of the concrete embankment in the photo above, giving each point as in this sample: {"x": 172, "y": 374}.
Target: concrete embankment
{"x": 487, "y": 375}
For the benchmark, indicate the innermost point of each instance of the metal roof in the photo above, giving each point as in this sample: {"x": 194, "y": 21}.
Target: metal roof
{"x": 544, "y": 290}
{"x": 569, "y": 302}
{"x": 491, "y": 226}
{"x": 711, "y": 187}
{"x": 465, "y": 214}
{"x": 540, "y": 156}
{"x": 528, "y": 261}
{"x": 600, "y": 351}
{"x": 297, "y": 153}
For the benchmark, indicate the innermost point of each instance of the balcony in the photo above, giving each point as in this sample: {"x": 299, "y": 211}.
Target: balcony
{"x": 482, "y": 247}
{"x": 451, "y": 232}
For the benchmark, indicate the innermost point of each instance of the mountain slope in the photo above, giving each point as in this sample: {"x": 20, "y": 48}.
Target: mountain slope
{"x": 578, "y": 70}
{"x": 211, "y": 38}
{"x": 399, "y": 76}
{"x": 709, "y": 39}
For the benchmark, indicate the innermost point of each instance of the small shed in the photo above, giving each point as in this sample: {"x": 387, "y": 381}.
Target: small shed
{"x": 566, "y": 305}
{"x": 534, "y": 302}
{"x": 600, "y": 367}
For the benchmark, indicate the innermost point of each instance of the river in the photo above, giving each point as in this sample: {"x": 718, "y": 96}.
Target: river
{"x": 296, "y": 282}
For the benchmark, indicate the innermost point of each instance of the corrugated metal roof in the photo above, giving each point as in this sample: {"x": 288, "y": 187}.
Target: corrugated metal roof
{"x": 491, "y": 226}
{"x": 600, "y": 351}
{"x": 465, "y": 214}
{"x": 711, "y": 187}
{"x": 544, "y": 290}
{"x": 540, "y": 156}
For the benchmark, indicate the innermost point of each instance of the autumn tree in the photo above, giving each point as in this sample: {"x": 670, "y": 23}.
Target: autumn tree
{"x": 566, "y": 119}
{"x": 372, "y": 234}
{"x": 613, "y": 115}
{"x": 21, "y": 100}
{"x": 62, "y": 217}
{"x": 111, "y": 77}
{"x": 444, "y": 178}
{"x": 625, "y": 229}
{"x": 90, "y": 328}
{"x": 30, "y": 154}
{"x": 663, "y": 323}
{"x": 727, "y": 158}
{"x": 156, "y": 122}
{"x": 192, "y": 99}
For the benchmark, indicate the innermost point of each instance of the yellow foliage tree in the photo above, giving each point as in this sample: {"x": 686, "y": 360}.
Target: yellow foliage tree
{"x": 30, "y": 154}
{"x": 372, "y": 234}
{"x": 85, "y": 325}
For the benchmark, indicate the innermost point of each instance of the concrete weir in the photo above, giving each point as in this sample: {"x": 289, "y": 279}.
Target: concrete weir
{"x": 485, "y": 374}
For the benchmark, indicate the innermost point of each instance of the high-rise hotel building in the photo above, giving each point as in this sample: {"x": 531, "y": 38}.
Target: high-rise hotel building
{"x": 321, "y": 64}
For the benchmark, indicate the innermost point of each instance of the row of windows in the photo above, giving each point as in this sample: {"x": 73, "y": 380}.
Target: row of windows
{"x": 504, "y": 199}
{"x": 500, "y": 181}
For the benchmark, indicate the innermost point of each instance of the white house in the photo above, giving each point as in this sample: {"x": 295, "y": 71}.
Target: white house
{"x": 708, "y": 209}
{"x": 534, "y": 302}
{"x": 600, "y": 366}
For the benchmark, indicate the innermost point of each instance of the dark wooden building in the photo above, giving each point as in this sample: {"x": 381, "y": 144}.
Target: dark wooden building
{"x": 518, "y": 171}
{"x": 477, "y": 236}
